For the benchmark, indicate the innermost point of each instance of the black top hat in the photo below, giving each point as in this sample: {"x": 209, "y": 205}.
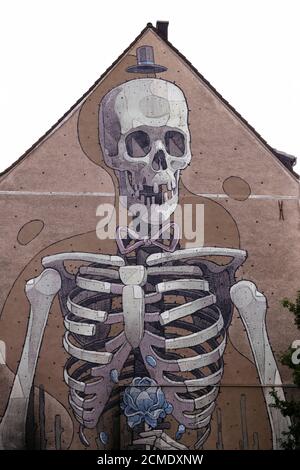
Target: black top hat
{"x": 145, "y": 62}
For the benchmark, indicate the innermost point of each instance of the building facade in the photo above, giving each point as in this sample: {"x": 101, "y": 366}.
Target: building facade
{"x": 147, "y": 242}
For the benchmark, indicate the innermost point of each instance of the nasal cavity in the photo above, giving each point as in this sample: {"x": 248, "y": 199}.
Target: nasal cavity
{"x": 159, "y": 161}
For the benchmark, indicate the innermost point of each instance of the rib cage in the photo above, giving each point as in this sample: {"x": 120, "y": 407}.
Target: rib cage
{"x": 184, "y": 331}
{"x": 188, "y": 350}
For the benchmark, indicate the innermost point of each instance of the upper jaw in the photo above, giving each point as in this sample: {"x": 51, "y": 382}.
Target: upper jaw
{"x": 157, "y": 193}
{"x": 154, "y": 195}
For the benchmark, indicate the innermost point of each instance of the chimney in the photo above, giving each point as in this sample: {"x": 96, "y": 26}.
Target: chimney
{"x": 162, "y": 29}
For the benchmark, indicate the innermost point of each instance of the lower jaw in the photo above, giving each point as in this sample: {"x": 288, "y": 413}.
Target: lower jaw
{"x": 155, "y": 214}
{"x": 162, "y": 214}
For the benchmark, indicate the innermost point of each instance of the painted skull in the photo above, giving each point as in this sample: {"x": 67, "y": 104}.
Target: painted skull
{"x": 144, "y": 136}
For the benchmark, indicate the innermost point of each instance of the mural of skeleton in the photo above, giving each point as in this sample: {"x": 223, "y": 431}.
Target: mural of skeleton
{"x": 163, "y": 307}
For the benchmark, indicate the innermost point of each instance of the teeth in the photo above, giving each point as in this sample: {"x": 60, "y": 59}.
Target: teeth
{"x": 155, "y": 188}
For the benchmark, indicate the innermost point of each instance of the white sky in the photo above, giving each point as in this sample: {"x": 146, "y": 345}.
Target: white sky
{"x": 52, "y": 51}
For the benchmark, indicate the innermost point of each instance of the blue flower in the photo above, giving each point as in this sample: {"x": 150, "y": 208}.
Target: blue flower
{"x": 180, "y": 432}
{"x": 144, "y": 401}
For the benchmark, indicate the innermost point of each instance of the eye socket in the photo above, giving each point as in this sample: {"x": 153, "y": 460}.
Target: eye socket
{"x": 137, "y": 144}
{"x": 175, "y": 143}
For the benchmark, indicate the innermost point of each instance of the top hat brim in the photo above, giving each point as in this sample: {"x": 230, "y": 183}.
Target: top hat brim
{"x": 146, "y": 68}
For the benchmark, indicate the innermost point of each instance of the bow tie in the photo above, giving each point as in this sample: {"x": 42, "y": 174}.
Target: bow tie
{"x": 148, "y": 241}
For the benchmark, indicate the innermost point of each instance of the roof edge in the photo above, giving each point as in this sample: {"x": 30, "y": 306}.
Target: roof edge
{"x": 229, "y": 106}
{"x": 149, "y": 26}
{"x": 61, "y": 119}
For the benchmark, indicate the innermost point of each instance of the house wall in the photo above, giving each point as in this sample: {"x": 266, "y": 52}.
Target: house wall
{"x": 48, "y": 205}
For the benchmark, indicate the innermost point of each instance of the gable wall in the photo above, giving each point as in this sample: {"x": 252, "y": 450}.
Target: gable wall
{"x": 70, "y": 161}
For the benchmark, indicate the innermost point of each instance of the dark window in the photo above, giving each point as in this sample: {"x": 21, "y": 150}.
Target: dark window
{"x": 175, "y": 143}
{"x": 138, "y": 144}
